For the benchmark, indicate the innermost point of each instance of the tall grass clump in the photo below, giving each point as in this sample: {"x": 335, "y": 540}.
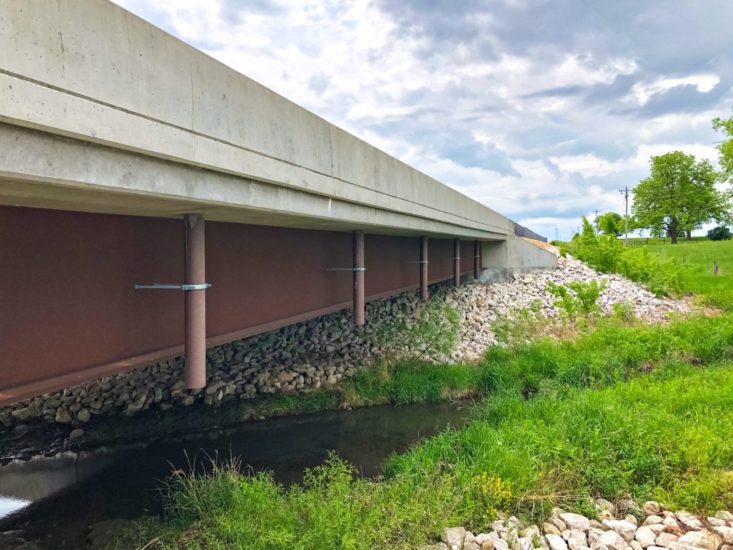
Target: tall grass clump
{"x": 666, "y": 436}
{"x": 613, "y": 352}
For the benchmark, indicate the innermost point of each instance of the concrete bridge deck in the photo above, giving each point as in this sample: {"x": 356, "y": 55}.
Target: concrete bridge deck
{"x": 112, "y": 132}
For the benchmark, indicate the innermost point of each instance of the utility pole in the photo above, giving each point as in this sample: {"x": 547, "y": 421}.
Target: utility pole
{"x": 595, "y": 220}
{"x": 625, "y": 193}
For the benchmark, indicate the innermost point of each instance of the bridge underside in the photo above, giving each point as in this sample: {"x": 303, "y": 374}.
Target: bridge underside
{"x": 71, "y": 312}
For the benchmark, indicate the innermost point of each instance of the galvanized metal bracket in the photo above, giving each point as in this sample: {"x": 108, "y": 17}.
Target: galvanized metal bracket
{"x": 165, "y": 286}
{"x": 358, "y": 269}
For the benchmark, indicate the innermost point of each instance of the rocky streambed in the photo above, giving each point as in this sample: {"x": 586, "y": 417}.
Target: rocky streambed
{"x": 620, "y": 526}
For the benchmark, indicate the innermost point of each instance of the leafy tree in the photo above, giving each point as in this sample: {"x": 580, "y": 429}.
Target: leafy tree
{"x": 680, "y": 195}
{"x": 610, "y": 223}
{"x": 725, "y": 148}
{"x": 720, "y": 233}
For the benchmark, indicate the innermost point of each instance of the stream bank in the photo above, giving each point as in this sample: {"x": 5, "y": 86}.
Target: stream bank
{"x": 68, "y": 494}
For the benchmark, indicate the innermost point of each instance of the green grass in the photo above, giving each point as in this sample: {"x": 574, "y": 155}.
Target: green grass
{"x": 696, "y": 268}
{"x": 666, "y": 436}
{"x": 624, "y": 408}
{"x": 409, "y": 383}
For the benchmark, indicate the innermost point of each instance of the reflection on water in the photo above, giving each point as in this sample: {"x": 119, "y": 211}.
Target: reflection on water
{"x": 69, "y": 494}
{"x": 8, "y": 505}
{"x": 24, "y": 482}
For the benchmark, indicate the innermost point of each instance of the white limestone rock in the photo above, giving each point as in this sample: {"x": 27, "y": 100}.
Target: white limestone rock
{"x": 594, "y": 534}
{"x": 624, "y": 528}
{"x": 603, "y": 504}
{"x": 645, "y": 536}
{"x": 666, "y": 540}
{"x": 689, "y": 521}
{"x": 725, "y": 532}
{"x": 612, "y": 540}
{"x": 577, "y": 539}
{"x": 453, "y": 537}
{"x": 698, "y": 539}
{"x": 556, "y": 542}
{"x": 482, "y": 538}
{"x": 575, "y": 521}
{"x": 671, "y": 524}
{"x": 651, "y": 508}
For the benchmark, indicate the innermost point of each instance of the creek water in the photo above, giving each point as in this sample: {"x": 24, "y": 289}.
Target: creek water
{"x": 54, "y": 501}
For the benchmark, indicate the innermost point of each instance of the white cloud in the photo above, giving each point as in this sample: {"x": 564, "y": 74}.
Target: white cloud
{"x": 587, "y": 165}
{"x": 642, "y": 92}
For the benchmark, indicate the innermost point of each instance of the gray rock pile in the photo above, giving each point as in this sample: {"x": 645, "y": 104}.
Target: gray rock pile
{"x": 482, "y": 305}
{"x": 625, "y": 526}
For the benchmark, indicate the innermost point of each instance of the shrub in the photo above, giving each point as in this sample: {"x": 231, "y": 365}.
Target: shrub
{"x": 577, "y": 298}
{"x": 602, "y": 252}
{"x": 720, "y": 233}
{"x": 606, "y": 253}
{"x": 639, "y": 266}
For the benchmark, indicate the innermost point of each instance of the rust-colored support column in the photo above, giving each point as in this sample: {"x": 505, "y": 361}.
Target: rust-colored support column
{"x": 359, "y": 269}
{"x": 476, "y": 259}
{"x": 195, "y": 373}
{"x": 424, "y": 269}
{"x": 457, "y": 262}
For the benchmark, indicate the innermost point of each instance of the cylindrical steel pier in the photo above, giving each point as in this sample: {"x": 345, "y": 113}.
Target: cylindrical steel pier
{"x": 195, "y": 372}
{"x": 424, "y": 269}
{"x": 476, "y": 259}
{"x": 457, "y": 262}
{"x": 358, "y": 300}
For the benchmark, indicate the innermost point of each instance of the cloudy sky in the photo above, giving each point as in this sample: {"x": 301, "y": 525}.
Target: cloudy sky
{"x": 541, "y": 109}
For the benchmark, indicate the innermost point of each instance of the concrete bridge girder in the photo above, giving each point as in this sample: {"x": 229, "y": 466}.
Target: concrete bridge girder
{"x": 46, "y": 171}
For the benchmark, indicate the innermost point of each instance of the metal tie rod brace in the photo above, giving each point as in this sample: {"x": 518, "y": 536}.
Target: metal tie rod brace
{"x": 166, "y": 286}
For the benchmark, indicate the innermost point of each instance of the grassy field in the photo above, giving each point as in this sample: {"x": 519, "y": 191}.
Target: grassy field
{"x": 624, "y": 408}
{"x": 695, "y": 260}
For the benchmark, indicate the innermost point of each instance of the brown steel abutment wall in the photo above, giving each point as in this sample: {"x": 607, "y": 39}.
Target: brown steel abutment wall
{"x": 69, "y": 312}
